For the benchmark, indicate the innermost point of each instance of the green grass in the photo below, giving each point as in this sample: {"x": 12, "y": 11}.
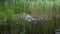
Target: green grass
{"x": 43, "y": 8}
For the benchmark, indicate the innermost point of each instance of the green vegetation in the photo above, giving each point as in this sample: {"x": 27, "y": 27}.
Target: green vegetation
{"x": 49, "y": 10}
